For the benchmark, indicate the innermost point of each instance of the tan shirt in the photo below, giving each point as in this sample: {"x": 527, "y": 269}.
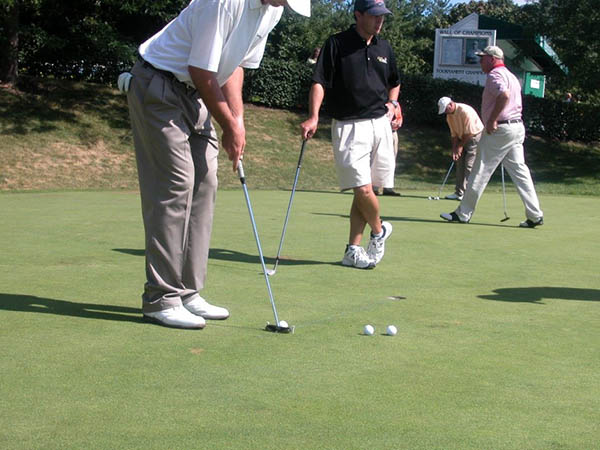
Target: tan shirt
{"x": 464, "y": 121}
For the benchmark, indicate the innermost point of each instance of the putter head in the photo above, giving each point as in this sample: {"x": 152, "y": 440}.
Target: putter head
{"x": 274, "y": 328}
{"x": 270, "y": 272}
{"x": 505, "y": 219}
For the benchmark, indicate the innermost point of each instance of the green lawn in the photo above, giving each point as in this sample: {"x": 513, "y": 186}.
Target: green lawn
{"x": 497, "y": 347}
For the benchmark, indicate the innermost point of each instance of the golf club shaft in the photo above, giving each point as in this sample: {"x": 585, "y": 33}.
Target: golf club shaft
{"x": 287, "y": 215}
{"x": 445, "y": 179}
{"x": 503, "y": 191}
{"x": 260, "y": 253}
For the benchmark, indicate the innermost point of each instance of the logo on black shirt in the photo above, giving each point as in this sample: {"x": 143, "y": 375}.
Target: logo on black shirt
{"x": 382, "y": 59}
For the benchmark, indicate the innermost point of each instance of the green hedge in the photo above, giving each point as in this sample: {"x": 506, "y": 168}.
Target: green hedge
{"x": 284, "y": 84}
{"x": 279, "y": 84}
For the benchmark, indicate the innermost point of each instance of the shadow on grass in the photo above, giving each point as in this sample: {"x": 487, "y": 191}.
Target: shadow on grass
{"x": 31, "y": 303}
{"x": 232, "y": 255}
{"x": 537, "y": 294}
{"x": 420, "y": 220}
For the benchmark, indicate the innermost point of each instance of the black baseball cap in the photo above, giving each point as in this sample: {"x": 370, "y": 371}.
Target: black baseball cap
{"x": 373, "y": 7}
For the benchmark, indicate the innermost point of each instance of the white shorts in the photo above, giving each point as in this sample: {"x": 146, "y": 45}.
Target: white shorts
{"x": 364, "y": 152}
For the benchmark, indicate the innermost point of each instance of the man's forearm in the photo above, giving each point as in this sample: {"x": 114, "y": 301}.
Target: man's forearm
{"x": 232, "y": 90}
{"x": 213, "y": 97}
{"x": 315, "y": 100}
{"x": 394, "y": 93}
{"x": 465, "y": 139}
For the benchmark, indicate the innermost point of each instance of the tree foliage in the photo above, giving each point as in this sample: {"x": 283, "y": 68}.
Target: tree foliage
{"x": 572, "y": 28}
{"x": 93, "y": 40}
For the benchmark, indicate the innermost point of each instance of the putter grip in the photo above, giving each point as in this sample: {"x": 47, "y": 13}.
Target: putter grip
{"x": 241, "y": 171}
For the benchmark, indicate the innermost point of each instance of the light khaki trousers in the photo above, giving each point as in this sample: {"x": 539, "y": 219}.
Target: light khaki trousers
{"x": 464, "y": 165}
{"x": 176, "y": 151}
{"x": 504, "y": 146}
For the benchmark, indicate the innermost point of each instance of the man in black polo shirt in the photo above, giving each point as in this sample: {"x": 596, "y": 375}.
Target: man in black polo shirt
{"x": 357, "y": 76}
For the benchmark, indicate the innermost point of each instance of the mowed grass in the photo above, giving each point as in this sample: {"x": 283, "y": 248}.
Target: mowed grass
{"x": 497, "y": 348}
{"x": 74, "y": 136}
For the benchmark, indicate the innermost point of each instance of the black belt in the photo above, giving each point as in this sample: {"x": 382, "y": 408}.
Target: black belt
{"x": 166, "y": 73}
{"x": 502, "y": 122}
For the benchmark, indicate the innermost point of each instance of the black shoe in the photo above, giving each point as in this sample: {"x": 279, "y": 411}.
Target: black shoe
{"x": 531, "y": 224}
{"x": 389, "y": 191}
{"x": 451, "y": 217}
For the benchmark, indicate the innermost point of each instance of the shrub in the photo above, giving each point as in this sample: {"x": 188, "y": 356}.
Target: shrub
{"x": 285, "y": 84}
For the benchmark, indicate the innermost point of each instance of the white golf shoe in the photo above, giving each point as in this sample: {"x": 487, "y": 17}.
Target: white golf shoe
{"x": 453, "y": 196}
{"x": 376, "y": 247}
{"x": 176, "y": 317}
{"x": 355, "y": 256}
{"x": 200, "y": 307}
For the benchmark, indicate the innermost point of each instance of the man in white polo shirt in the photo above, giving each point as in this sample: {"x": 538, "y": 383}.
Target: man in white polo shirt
{"x": 188, "y": 72}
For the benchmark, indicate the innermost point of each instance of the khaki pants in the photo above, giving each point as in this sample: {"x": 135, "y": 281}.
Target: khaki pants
{"x": 364, "y": 152}
{"x": 504, "y": 146}
{"x": 176, "y": 151}
{"x": 464, "y": 165}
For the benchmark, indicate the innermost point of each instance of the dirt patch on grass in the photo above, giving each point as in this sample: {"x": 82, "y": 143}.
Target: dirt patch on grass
{"x": 70, "y": 166}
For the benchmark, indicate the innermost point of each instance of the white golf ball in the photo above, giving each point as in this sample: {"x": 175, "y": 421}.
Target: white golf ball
{"x": 283, "y": 324}
{"x": 391, "y": 330}
{"x": 369, "y": 330}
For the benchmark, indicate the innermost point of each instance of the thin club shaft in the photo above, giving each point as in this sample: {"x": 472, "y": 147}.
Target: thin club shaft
{"x": 445, "y": 179}
{"x": 260, "y": 253}
{"x": 287, "y": 215}
{"x": 503, "y": 190}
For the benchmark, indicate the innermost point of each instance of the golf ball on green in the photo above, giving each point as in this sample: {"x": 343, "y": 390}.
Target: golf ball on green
{"x": 369, "y": 330}
{"x": 391, "y": 330}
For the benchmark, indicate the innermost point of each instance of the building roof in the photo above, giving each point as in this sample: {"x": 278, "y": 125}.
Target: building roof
{"x": 534, "y": 51}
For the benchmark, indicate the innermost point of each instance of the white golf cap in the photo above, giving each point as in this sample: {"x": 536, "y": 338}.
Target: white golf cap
{"x": 491, "y": 50}
{"x": 443, "y": 104}
{"x": 302, "y": 7}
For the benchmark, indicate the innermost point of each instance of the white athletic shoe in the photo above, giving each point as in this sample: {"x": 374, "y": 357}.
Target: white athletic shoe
{"x": 453, "y": 196}
{"x": 376, "y": 247}
{"x": 176, "y": 317}
{"x": 356, "y": 256}
{"x": 200, "y": 307}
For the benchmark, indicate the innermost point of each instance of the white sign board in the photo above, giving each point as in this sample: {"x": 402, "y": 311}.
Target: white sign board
{"x": 455, "y": 54}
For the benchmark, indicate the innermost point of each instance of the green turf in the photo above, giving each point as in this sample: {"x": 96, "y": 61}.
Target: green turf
{"x": 497, "y": 348}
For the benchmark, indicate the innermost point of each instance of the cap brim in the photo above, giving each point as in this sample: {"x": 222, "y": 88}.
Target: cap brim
{"x": 301, "y": 7}
{"x": 377, "y": 11}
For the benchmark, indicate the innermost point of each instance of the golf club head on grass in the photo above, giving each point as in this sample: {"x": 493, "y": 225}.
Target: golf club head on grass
{"x": 271, "y": 272}
{"x": 505, "y": 219}
{"x": 274, "y": 328}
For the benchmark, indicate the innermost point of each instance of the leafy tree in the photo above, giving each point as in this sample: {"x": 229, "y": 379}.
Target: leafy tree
{"x": 86, "y": 39}
{"x": 499, "y": 9}
{"x": 9, "y": 37}
{"x": 572, "y": 28}
{"x": 411, "y": 31}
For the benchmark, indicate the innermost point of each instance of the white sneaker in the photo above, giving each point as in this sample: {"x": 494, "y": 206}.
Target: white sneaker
{"x": 176, "y": 317}
{"x": 376, "y": 247}
{"x": 356, "y": 256}
{"x": 453, "y": 196}
{"x": 200, "y": 307}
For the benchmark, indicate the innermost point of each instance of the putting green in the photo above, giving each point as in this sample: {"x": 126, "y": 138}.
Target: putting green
{"x": 497, "y": 344}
